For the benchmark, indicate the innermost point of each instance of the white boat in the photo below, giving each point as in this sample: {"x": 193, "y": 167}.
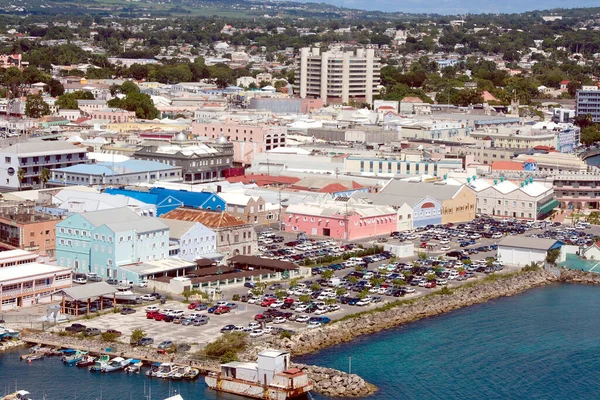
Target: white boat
{"x": 100, "y": 363}
{"x": 127, "y": 295}
{"x": 18, "y": 395}
{"x": 165, "y": 370}
{"x": 116, "y": 364}
{"x": 134, "y": 366}
{"x": 270, "y": 378}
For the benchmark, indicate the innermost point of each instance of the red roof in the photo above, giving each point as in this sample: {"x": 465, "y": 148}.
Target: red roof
{"x": 333, "y": 188}
{"x": 263, "y": 180}
{"x": 507, "y": 166}
{"x": 565, "y": 82}
{"x": 410, "y": 99}
{"x": 386, "y": 108}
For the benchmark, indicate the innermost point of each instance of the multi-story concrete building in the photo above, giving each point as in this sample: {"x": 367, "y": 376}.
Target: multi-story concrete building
{"x": 393, "y": 166}
{"x": 251, "y": 209}
{"x": 190, "y": 240}
{"x": 340, "y": 220}
{"x": 338, "y": 77}
{"x": 199, "y": 163}
{"x": 26, "y": 229}
{"x": 527, "y": 200}
{"x": 588, "y": 102}
{"x": 32, "y": 158}
{"x": 103, "y": 242}
{"x": 30, "y": 284}
{"x": 247, "y": 139}
{"x": 113, "y": 114}
{"x": 120, "y": 173}
{"x": 562, "y": 137}
{"x": 234, "y": 236}
{"x": 577, "y": 191}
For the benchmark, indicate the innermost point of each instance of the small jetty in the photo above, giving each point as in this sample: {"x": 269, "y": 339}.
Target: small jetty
{"x": 73, "y": 353}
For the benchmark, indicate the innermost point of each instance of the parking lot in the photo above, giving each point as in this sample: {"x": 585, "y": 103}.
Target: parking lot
{"x": 451, "y": 256}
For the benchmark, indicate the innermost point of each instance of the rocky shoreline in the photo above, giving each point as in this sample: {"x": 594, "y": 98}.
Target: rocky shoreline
{"x": 332, "y": 382}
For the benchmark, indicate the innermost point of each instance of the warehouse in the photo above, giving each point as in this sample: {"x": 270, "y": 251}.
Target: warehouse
{"x": 519, "y": 250}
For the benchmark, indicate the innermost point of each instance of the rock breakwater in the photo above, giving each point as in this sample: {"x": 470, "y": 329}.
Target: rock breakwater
{"x": 335, "y": 383}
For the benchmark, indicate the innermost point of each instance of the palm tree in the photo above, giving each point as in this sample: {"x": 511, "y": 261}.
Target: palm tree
{"x": 44, "y": 176}
{"x": 20, "y": 176}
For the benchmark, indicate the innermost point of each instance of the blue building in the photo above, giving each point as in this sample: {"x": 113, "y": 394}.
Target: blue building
{"x": 102, "y": 242}
{"x": 168, "y": 199}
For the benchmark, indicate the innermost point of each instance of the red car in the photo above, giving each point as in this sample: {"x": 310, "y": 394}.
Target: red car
{"x": 430, "y": 284}
{"x": 160, "y": 317}
{"x": 152, "y": 314}
{"x": 117, "y": 333}
{"x": 222, "y": 310}
{"x": 193, "y": 305}
{"x": 288, "y": 300}
{"x": 423, "y": 245}
{"x": 268, "y": 302}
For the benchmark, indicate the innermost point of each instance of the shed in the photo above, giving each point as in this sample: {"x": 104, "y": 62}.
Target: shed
{"x": 520, "y": 251}
{"x": 87, "y": 293}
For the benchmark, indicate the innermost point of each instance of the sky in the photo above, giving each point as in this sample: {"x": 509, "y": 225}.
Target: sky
{"x": 459, "y": 7}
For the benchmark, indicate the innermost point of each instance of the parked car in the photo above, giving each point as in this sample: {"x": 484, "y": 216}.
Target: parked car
{"x": 250, "y": 285}
{"x": 148, "y": 297}
{"x": 201, "y": 307}
{"x": 146, "y": 341}
{"x": 75, "y": 328}
{"x": 165, "y": 344}
{"x": 228, "y": 328}
{"x": 193, "y": 305}
{"x": 114, "y": 332}
{"x": 127, "y": 311}
{"x": 91, "y": 332}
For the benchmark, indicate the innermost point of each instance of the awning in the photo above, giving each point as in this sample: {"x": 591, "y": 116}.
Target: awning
{"x": 546, "y": 208}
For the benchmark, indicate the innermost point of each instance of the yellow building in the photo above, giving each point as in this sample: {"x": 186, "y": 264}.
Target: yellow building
{"x": 147, "y": 126}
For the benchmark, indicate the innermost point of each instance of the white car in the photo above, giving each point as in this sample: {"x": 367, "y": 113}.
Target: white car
{"x": 302, "y": 318}
{"x": 143, "y": 284}
{"x": 444, "y": 241}
{"x": 301, "y": 308}
{"x": 333, "y": 307}
{"x": 176, "y": 313}
{"x": 409, "y": 289}
{"x": 363, "y": 302}
{"x": 497, "y": 235}
{"x": 445, "y": 248}
{"x": 254, "y": 325}
{"x": 268, "y": 329}
{"x": 314, "y": 324}
{"x": 321, "y": 311}
{"x": 239, "y": 329}
{"x": 279, "y": 320}
{"x": 256, "y": 333}
{"x": 80, "y": 280}
{"x": 152, "y": 309}
{"x": 277, "y": 304}
{"x": 254, "y": 300}
{"x": 148, "y": 297}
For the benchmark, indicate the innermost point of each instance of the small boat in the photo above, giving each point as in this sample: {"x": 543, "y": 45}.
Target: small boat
{"x": 18, "y": 395}
{"x": 165, "y": 370}
{"x": 86, "y": 361}
{"x": 54, "y": 352}
{"x": 153, "y": 370}
{"x": 134, "y": 366}
{"x": 32, "y": 357}
{"x": 116, "y": 364}
{"x": 100, "y": 363}
{"x": 71, "y": 356}
{"x": 10, "y": 333}
{"x": 177, "y": 374}
{"x": 191, "y": 373}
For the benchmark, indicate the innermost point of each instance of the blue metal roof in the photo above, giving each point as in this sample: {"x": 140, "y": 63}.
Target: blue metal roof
{"x": 116, "y": 168}
{"x": 167, "y": 200}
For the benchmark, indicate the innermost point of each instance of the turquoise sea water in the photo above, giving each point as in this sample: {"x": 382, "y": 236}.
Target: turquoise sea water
{"x": 543, "y": 344}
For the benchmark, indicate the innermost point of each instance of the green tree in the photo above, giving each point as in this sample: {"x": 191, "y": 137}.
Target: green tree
{"x": 137, "y": 335}
{"x": 305, "y": 298}
{"x": 55, "y": 88}
{"x": 552, "y": 256}
{"x": 227, "y": 346}
{"x": 315, "y": 286}
{"x": 20, "y": 176}
{"x": 44, "y": 176}
{"x": 36, "y": 107}
{"x": 280, "y": 294}
{"x": 67, "y": 102}
{"x": 140, "y": 103}
{"x": 327, "y": 274}
{"x": 341, "y": 291}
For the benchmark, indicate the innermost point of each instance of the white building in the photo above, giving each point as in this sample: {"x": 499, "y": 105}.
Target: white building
{"x": 29, "y": 284}
{"x": 519, "y": 250}
{"x": 33, "y": 157}
{"x": 190, "y": 240}
{"x": 338, "y": 77}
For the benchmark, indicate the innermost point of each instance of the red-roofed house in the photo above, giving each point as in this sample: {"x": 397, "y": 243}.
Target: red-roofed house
{"x": 563, "y": 85}
{"x": 487, "y": 96}
{"x": 507, "y": 166}
{"x": 264, "y": 180}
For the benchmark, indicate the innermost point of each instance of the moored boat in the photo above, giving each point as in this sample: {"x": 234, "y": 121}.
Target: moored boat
{"x": 153, "y": 370}
{"x": 86, "y": 361}
{"x": 270, "y": 378}
{"x": 116, "y": 364}
{"x": 32, "y": 357}
{"x": 71, "y": 356}
{"x": 18, "y": 395}
{"x": 100, "y": 363}
{"x": 191, "y": 373}
{"x": 165, "y": 370}
{"x": 134, "y": 366}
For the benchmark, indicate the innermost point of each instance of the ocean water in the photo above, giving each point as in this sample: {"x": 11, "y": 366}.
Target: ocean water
{"x": 543, "y": 344}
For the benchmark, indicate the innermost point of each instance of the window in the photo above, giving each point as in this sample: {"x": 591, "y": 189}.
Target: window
{"x": 7, "y": 160}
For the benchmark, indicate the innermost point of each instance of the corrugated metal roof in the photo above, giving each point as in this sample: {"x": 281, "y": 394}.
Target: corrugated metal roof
{"x": 89, "y": 290}
{"x": 528, "y": 242}
{"x": 418, "y": 190}
{"x": 210, "y": 219}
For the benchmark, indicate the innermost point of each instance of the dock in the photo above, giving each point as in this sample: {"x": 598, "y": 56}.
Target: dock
{"x": 116, "y": 349}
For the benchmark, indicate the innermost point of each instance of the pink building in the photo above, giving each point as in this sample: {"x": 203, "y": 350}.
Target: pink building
{"x": 113, "y": 114}
{"x": 340, "y": 220}
{"x": 247, "y": 139}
